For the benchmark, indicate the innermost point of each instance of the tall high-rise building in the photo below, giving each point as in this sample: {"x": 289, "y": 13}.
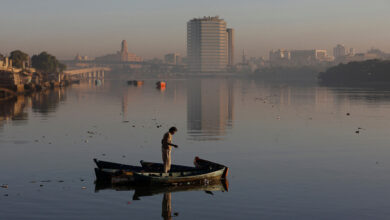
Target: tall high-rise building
{"x": 207, "y": 45}
{"x": 230, "y": 36}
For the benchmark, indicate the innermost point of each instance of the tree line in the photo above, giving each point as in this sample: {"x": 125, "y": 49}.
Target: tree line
{"x": 370, "y": 71}
{"x": 43, "y": 62}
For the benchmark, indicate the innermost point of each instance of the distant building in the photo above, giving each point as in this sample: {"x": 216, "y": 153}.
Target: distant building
{"x": 207, "y": 45}
{"x": 339, "y": 51}
{"x": 81, "y": 58}
{"x": 230, "y": 36}
{"x": 298, "y": 57}
{"x": 279, "y": 57}
{"x": 173, "y": 58}
{"x": 309, "y": 57}
{"x": 123, "y": 55}
{"x": 351, "y": 51}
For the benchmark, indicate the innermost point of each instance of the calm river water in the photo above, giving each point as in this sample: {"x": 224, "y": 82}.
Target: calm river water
{"x": 294, "y": 151}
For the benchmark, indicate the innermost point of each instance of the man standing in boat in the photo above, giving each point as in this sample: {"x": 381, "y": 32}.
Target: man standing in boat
{"x": 166, "y": 148}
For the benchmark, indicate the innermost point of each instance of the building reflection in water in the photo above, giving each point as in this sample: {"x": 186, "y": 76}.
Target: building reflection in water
{"x": 210, "y": 108}
{"x": 15, "y": 110}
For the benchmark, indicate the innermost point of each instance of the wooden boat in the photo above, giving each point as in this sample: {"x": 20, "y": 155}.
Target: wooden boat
{"x": 152, "y": 173}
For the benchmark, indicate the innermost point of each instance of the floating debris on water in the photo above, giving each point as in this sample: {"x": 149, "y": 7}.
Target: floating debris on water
{"x": 5, "y": 186}
{"x": 348, "y": 114}
{"x": 83, "y": 187}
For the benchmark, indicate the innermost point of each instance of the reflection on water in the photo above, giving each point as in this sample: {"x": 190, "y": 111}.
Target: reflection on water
{"x": 293, "y": 149}
{"x": 16, "y": 109}
{"x": 210, "y": 108}
{"x": 166, "y": 209}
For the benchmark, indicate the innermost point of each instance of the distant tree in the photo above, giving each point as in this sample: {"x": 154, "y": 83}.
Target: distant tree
{"x": 369, "y": 71}
{"x": 18, "y": 57}
{"x": 47, "y": 63}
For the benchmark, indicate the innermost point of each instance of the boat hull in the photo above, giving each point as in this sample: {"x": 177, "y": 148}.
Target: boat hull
{"x": 151, "y": 173}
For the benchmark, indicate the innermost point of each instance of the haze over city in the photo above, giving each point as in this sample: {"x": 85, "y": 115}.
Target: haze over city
{"x": 154, "y": 28}
{"x": 202, "y": 109}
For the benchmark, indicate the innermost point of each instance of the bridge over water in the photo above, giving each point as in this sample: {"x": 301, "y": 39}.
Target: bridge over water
{"x": 89, "y": 72}
{"x": 116, "y": 62}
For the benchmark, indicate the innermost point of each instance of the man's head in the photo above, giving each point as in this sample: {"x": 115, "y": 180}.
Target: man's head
{"x": 173, "y": 130}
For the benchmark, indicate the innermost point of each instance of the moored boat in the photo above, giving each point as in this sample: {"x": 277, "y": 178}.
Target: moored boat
{"x": 161, "y": 85}
{"x": 152, "y": 173}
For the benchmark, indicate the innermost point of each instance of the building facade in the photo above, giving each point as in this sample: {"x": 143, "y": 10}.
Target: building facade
{"x": 230, "y": 36}
{"x": 279, "y": 57}
{"x": 123, "y": 55}
{"x": 298, "y": 57}
{"x": 172, "y": 58}
{"x": 339, "y": 51}
{"x": 207, "y": 45}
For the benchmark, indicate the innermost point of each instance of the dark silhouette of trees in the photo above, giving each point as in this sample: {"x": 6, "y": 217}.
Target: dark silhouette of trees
{"x": 47, "y": 63}
{"x": 18, "y": 57}
{"x": 370, "y": 71}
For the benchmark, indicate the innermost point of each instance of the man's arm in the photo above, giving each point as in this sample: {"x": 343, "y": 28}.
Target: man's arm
{"x": 173, "y": 145}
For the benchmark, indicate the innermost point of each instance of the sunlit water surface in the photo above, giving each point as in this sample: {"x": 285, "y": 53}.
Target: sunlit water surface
{"x": 293, "y": 150}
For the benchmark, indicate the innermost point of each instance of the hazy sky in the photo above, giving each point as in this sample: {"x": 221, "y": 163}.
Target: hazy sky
{"x": 155, "y": 27}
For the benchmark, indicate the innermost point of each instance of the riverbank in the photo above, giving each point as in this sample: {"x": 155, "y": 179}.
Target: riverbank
{"x": 14, "y": 83}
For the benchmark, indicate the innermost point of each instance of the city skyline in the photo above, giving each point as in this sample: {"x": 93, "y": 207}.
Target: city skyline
{"x": 94, "y": 29}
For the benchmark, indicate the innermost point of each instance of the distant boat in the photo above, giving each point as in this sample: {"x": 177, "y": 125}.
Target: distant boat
{"x": 161, "y": 85}
{"x": 152, "y": 173}
{"x": 135, "y": 82}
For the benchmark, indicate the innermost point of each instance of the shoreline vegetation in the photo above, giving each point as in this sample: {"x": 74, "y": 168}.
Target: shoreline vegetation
{"x": 289, "y": 73}
{"x": 370, "y": 72}
{"x": 20, "y": 75}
